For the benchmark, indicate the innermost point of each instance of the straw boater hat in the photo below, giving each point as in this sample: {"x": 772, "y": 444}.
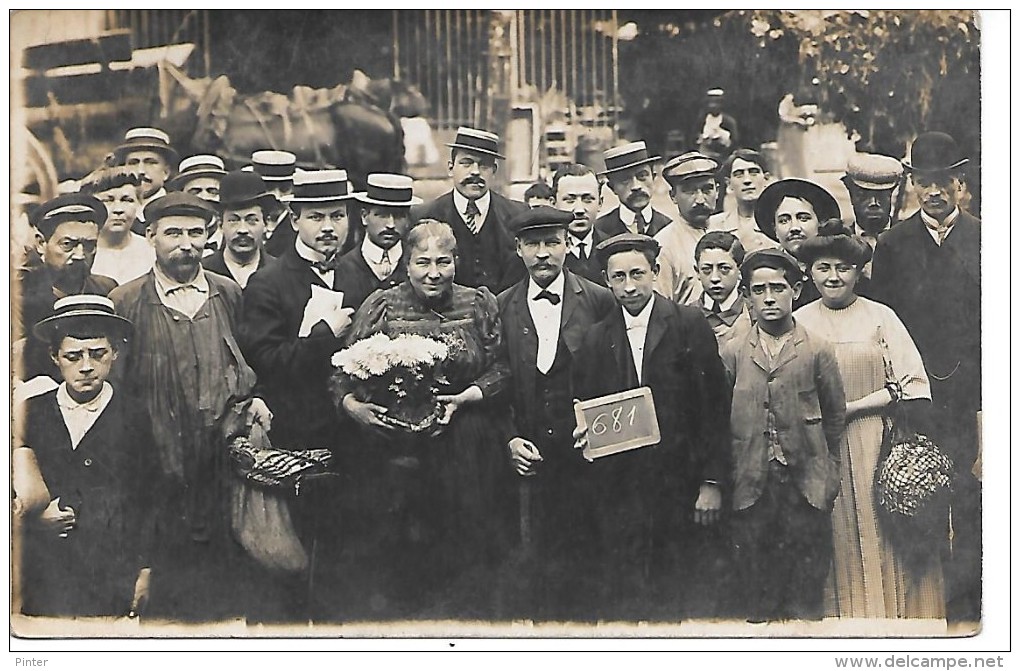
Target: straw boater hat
{"x": 193, "y": 167}
{"x": 688, "y": 165}
{"x": 68, "y": 207}
{"x": 627, "y": 156}
{"x": 934, "y": 152}
{"x": 391, "y": 190}
{"x": 873, "y": 172}
{"x": 86, "y": 312}
{"x": 473, "y": 139}
{"x": 239, "y": 190}
{"x": 715, "y": 93}
{"x": 824, "y": 204}
{"x": 273, "y": 165}
{"x": 146, "y": 139}
{"x": 321, "y": 186}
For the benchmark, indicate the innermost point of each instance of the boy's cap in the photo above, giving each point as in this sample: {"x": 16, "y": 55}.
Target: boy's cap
{"x": 624, "y": 242}
{"x": 769, "y": 257}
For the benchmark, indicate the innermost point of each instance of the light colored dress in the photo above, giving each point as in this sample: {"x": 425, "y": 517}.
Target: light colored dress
{"x": 124, "y": 265}
{"x": 868, "y": 579}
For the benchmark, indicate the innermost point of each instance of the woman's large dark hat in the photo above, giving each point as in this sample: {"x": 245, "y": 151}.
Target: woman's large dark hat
{"x": 824, "y": 204}
{"x": 934, "y": 152}
{"x": 240, "y": 189}
{"x": 87, "y": 312}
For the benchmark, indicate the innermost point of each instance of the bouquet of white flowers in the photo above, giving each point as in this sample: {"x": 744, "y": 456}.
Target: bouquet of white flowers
{"x": 402, "y": 374}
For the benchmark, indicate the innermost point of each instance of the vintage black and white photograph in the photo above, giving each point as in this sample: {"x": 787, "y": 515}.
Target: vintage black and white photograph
{"x": 503, "y": 323}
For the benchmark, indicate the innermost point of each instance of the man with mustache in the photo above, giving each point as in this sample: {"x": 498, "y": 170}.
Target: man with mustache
{"x": 691, "y": 178}
{"x": 578, "y": 191}
{"x": 147, "y": 153}
{"x": 200, "y": 176}
{"x": 186, "y": 371}
{"x": 874, "y": 183}
{"x": 928, "y": 269}
{"x": 66, "y": 233}
{"x": 486, "y": 254}
{"x": 630, "y": 173}
{"x": 243, "y": 202}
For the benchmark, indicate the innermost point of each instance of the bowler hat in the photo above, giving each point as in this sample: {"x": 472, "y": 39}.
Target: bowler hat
{"x": 473, "y": 139}
{"x": 178, "y": 203}
{"x": 146, "y": 139}
{"x": 68, "y": 207}
{"x": 239, "y": 189}
{"x": 824, "y": 204}
{"x": 86, "y": 312}
{"x": 690, "y": 164}
{"x": 193, "y": 167}
{"x": 769, "y": 257}
{"x": 626, "y": 156}
{"x": 390, "y": 190}
{"x": 934, "y": 152}
{"x": 539, "y": 217}
{"x": 273, "y": 165}
{"x": 624, "y": 242}
{"x": 874, "y": 172}
{"x": 321, "y": 186}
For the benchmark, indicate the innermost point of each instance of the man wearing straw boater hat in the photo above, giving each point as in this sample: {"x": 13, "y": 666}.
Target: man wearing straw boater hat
{"x": 147, "y": 152}
{"x": 630, "y": 173}
{"x": 186, "y": 371}
{"x": 200, "y": 176}
{"x": 478, "y": 216}
{"x": 378, "y": 263}
{"x": 295, "y": 317}
{"x": 87, "y": 551}
{"x": 243, "y": 203}
{"x": 928, "y": 269}
{"x": 277, "y": 170}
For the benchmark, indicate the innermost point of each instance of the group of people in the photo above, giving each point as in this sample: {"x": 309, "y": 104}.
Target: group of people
{"x": 774, "y": 339}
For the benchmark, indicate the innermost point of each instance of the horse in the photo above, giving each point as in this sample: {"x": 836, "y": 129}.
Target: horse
{"x": 355, "y": 127}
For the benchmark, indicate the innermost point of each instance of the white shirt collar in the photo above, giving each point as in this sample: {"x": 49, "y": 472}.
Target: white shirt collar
{"x": 461, "y": 203}
{"x": 586, "y": 241}
{"x": 242, "y": 272}
{"x": 166, "y": 284}
{"x": 80, "y": 417}
{"x": 556, "y": 287}
{"x": 627, "y": 215}
{"x": 373, "y": 253}
{"x": 640, "y": 320}
{"x": 727, "y": 303}
{"x": 306, "y": 252}
{"x": 931, "y": 224}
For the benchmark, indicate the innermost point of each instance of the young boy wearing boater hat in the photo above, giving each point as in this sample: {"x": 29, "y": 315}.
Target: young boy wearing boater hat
{"x": 650, "y": 502}
{"x": 787, "y": 421}
{"x": 86, "y": 553}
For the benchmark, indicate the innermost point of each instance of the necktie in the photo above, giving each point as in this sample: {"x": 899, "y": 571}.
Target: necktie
{"x": 580, "y": 251}
{"x": 471, "y": 217}
{"x": 716, "y": 308}
{"x": 640, "y": 223}
{"x": 547, "y": 295}
{"x": 385, "y": 266}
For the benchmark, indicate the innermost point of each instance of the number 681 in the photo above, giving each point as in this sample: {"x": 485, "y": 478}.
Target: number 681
{"x": 615, "y": 420}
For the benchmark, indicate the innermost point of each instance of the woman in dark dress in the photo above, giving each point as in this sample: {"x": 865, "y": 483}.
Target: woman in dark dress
{"x": 438, "y": 498}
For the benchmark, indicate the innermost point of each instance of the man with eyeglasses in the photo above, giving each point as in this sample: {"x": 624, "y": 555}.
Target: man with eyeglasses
{"x": 66, "y": 233}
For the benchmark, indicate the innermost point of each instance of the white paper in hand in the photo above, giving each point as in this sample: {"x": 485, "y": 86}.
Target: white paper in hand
{"x": 321, "y": 304}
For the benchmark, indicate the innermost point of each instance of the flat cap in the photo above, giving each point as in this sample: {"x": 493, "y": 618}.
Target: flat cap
{"x": 874, "y": 171}
{"x": 539, "y": 217}
{"x": 179, "y": 204}
{"x": 687, "y": 165}
{"x": 624, "y": 242}
{"x": 769, "y": 257}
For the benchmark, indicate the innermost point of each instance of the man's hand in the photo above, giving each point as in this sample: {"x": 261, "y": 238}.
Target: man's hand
{"x": 524, "y": 455}
{"x": 580, "y": 435}
{"x": 259, "y": 412}
{"x": 708, "y": 505}
{"x": 141, "y": 595}
{"x": 60, "y": 522}
{"x": 367, "y": 414}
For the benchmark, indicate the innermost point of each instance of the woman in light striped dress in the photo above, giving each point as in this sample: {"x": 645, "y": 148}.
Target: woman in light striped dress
{"x": 871, "y": 578}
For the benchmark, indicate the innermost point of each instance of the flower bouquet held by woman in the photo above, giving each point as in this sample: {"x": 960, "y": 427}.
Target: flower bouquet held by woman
{"x": 403, "y": 373}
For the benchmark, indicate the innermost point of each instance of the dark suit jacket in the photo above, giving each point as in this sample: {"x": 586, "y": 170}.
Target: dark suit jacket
{"x": 109, "y": 480}
{"x": 355, "y": 278}
{"x": 682, "y": 367}
{"x": 282, "y": 238}
{"x": 804, "y": 391}
{"x": 488, "y": 259}
{"x": 214, "y": 263}
{"x": 589, "y": 268}
{"x": 293, "y": 372}
{"x": 610, "y": 224}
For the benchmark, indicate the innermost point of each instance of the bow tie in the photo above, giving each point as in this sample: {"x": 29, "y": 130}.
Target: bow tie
{"x": 327, "y": 264}
{"x": 547, "y": 295}
{"x": 212, "y": 246}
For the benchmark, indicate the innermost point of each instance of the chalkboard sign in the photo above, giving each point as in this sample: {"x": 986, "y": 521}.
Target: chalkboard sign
{"x": 618, "y": 422}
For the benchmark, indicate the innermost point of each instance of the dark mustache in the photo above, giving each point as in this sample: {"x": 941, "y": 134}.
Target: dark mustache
{"x": 474, "y": 180}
